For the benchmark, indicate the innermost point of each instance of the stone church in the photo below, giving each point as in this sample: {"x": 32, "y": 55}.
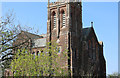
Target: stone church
{"x": 64, "y": 25}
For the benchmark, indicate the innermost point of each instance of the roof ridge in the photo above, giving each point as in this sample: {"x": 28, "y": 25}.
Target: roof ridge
{"x": 30, "y": 33}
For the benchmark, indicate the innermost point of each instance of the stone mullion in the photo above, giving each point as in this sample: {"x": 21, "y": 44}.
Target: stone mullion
{"x": 58, "y": 18}
{"x": 49, "y": 24}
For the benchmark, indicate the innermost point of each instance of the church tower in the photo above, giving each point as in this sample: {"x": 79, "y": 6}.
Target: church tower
{"x": 64, "y": 25}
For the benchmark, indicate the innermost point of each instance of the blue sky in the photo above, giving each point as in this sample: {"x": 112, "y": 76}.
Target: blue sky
{"x": 103, "y": 14}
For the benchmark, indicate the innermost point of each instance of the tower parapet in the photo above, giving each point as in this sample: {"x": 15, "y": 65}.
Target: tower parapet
{"x": 59, "y": 2}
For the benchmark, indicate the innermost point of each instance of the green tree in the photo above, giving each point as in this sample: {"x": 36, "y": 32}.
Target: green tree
{"x": 8, "y": 33}
{"x": 47, "y": 63}
{"x": 115, "y": 74}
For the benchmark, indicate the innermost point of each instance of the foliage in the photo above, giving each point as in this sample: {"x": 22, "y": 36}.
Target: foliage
{"x": 115, "y": 74}
{"x": 8, "y": 34}
{"x": 47, "y": 63}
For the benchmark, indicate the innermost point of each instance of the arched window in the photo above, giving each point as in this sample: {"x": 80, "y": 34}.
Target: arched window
{"x": 93, "y": 49}
{"x": 96, "y": 51}
{"x": 94, "y": 55}
{"x": 93, "y": 43}
{"x": 89, "y": 44}
{"x": 90, "y": 49}
{"x": 63, "y": 19}
{"x": 54, "y": 20}
{"x": 75, "y": 53}
{"x": 37, "y": 53}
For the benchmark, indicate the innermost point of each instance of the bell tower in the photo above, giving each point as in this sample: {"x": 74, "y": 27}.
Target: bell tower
{"x": 64, "y": 26}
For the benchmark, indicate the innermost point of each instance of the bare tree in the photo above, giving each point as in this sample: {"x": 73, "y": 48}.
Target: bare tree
{"x": 8, "y": 34}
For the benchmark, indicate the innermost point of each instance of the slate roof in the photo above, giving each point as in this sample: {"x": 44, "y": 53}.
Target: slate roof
{"x": 31, "y": 35}
{"x": 39, "y": 42}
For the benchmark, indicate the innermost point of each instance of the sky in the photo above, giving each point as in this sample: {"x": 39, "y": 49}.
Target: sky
{"x": 104, "y": 16}
{"x": 118, "y": 37}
